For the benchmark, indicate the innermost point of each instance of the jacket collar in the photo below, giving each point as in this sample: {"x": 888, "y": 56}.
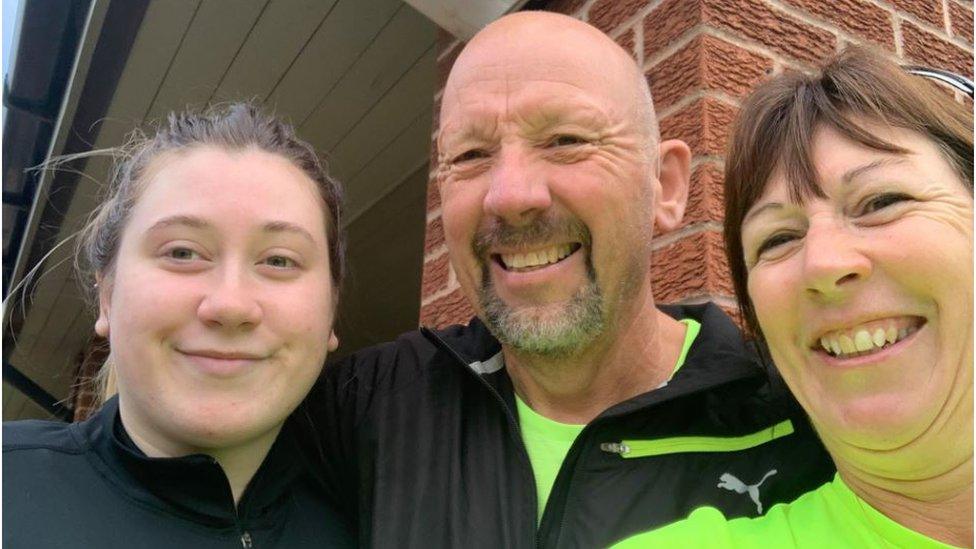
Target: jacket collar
{"x": 192, "y": 486}
{"x": 718, "y": 358}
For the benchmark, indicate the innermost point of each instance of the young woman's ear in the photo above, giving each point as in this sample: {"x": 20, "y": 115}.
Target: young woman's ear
{"x": 333, "y": 341}
{"x": 104, "y": 303}
{"x": 675, "y": 159}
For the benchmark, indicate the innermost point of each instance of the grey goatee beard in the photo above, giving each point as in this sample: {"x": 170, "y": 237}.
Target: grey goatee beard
{"x": 553, "y": 330}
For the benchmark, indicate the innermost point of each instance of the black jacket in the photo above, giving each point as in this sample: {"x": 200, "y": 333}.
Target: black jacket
{"x": 419, "y": 441}
{"x": 87, "y": 485}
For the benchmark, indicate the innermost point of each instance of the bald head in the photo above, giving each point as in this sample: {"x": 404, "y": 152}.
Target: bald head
{"x": 560, "y": 47}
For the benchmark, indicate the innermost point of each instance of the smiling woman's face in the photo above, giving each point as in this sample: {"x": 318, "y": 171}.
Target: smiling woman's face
{"x": 865, "y": 296}
{"x": 219, "y": 306}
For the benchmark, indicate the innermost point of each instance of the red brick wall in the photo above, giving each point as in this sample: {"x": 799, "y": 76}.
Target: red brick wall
{"x": 701, "y": 57}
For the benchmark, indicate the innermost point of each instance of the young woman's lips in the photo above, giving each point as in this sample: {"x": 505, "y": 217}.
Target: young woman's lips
{"x": 221, "y": 364}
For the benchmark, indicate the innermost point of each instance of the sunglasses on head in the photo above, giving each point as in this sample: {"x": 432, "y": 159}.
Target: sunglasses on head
{"x": 952, "y": 79}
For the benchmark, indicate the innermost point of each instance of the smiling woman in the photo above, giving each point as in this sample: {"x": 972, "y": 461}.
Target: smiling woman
{"x": 849, "y": 226}
{"x": 217, "y": 259}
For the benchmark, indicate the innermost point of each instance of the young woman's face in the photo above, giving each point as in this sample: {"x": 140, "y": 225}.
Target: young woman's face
{"x": 865, "y": 295}
{"x": 219, "y": 307}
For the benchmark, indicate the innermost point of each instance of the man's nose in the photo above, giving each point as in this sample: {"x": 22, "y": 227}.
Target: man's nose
{"x": 833, "y": 262}
{"x": 519, "y": 188}
{"x": 229, "y": 301}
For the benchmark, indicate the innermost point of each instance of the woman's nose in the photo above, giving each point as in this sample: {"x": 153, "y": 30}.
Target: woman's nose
{"x": 833, "y": 260}
{"x": 230, "y": 303}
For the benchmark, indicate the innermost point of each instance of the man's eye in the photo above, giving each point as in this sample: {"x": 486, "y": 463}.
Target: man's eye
{"x": 280, "y": 262}
{"x": 566, "y": 141}
{"x": 473, "y": 154}
{"x": 882, "y": 201}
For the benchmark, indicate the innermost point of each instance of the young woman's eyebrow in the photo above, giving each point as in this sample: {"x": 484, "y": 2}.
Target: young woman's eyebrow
{"x": 190, "y": 221}
{"x": 195, "y": 222}
{"x": 287, "y": 227}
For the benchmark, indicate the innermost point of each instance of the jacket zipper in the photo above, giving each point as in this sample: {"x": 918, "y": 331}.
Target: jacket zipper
{"x": 679, "y": 445}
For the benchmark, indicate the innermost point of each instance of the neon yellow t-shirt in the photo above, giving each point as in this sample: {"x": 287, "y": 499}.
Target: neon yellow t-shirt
{"x": 548, "y": 441}
{"x": 830, "y": 516}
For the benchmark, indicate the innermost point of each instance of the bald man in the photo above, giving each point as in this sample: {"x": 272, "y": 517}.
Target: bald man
{"x": 573, "y": 411}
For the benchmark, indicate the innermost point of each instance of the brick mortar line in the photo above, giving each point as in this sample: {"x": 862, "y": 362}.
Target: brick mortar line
{"x": 701, "y": 160}
{"x": 699, "y": 298}
{"x": 667, "y": 239}
{"x": 959, "y": 42}
{"x": 945, "y": 18}
{"x": 583, "y": 13}
{"x": 433, "y": 214}
{"x": 638, "y": 17}
{"x": 446, "y": 291}
{"x": 690, "y": 98}
{"x": 436, "y": 253}
{"x": 673, "y": 47}
{"x": 734, "y": 39}
{"x": 918, "y": 22}
{"x": 638, "y": 44}
{"x": 899, "y": 38}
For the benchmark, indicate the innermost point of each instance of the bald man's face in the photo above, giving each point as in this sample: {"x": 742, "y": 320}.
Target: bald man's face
{"x": 547, "y": 186}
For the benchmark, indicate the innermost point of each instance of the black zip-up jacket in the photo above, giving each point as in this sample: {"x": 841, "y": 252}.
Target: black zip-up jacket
{"x": 419, "y": 441}
{"x": 87, "y": 485}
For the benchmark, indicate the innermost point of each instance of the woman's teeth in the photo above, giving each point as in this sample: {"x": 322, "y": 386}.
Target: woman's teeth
{"x": 538, "y": 258}
{"x": 863, "y": 341}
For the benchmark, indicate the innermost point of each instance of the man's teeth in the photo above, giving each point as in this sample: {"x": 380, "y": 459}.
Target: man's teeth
{"x": 861, "y": 341}
{"x": 537, "y": 258}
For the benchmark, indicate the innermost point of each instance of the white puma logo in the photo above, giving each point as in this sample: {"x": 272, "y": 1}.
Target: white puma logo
{"x": 729, "y": 482}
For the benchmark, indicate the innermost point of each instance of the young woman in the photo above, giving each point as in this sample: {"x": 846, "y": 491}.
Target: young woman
{"x": 849, "y": 225}
{"x": 216, "y": 259}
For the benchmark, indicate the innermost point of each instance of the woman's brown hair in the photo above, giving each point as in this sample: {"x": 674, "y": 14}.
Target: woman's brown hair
{"x": 776, "y": 126}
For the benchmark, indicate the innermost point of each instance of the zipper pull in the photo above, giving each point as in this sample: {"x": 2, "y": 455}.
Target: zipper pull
{"x": 615, "y": 448}
{"x": 246, "y": 540}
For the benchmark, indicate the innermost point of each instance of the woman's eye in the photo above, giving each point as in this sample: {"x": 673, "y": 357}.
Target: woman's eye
{"x": 774, "y": 242}
{"x": 182, "y": 254}
{"x": 566, "y": 141}
{"x": 280, "y": 262}
{"x": 882, "y": 201}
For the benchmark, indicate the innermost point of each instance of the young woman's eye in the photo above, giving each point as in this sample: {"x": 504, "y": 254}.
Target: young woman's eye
{"x": 882, "y": 201}
{"x": 280, "y": 262}
{"x": 182, "y": 254}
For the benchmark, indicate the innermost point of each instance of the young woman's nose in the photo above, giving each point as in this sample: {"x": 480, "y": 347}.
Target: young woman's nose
{"x": 229, "y": 301}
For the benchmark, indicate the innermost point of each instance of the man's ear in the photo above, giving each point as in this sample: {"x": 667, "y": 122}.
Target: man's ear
{"x": 675, "y": 160}
{"x": 104, "y": 302}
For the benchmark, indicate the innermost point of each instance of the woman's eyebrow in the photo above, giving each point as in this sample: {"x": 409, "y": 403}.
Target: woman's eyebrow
{"x": 287, "y": 227}
{"x": 765, "y": 207}
{"x": 191, "y": 221}
{"x": 853, "y": 173}
{"x": 195, "y": 222}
